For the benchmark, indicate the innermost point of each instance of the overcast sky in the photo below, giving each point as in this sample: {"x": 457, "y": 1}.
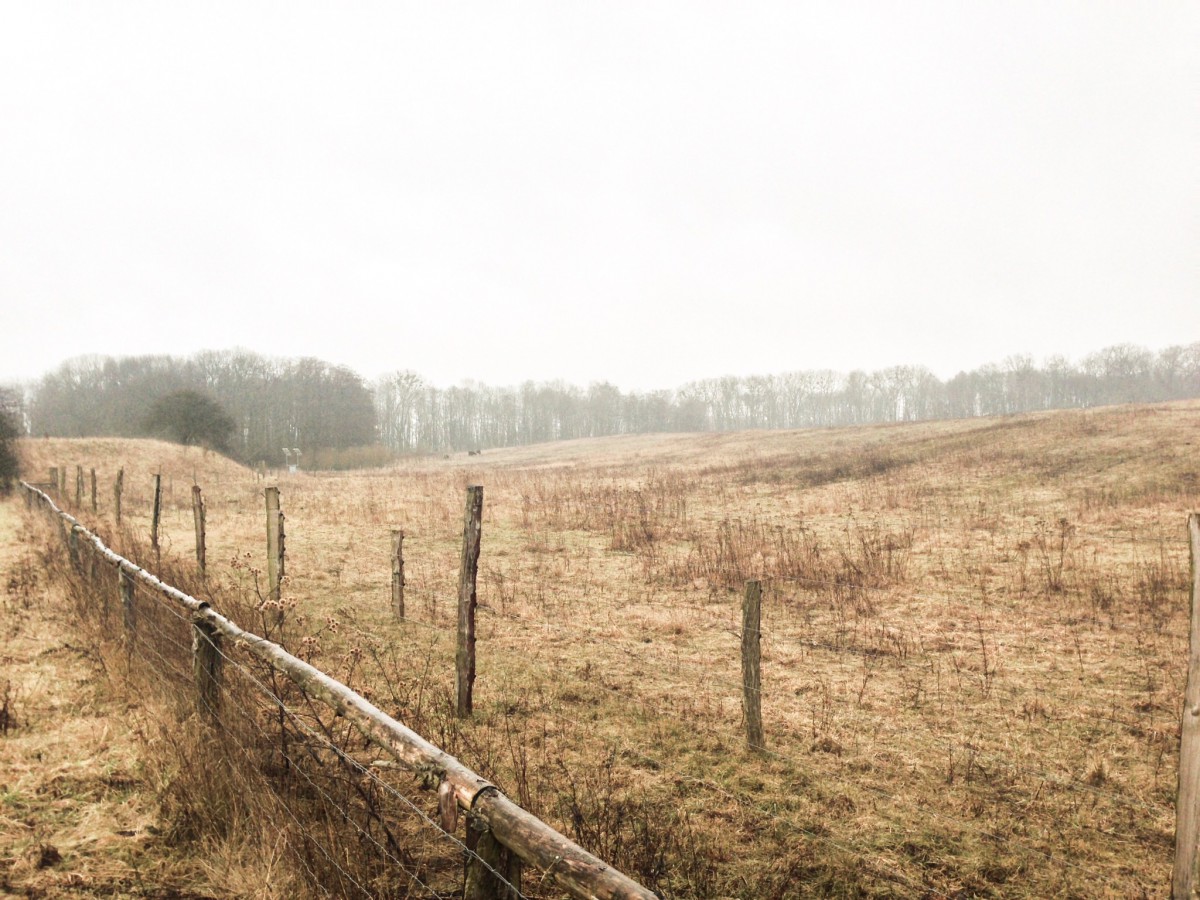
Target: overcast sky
{"x": 644, "y": 192}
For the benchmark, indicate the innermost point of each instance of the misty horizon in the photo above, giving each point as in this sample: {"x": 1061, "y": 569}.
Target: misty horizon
{"x": 647, "y": 195}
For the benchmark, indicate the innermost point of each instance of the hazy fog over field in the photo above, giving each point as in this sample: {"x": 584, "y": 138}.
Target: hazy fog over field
{"x": 643, "y": 193}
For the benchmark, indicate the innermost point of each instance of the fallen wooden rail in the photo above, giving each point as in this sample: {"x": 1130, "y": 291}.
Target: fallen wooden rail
{"x": 532, "y": 840}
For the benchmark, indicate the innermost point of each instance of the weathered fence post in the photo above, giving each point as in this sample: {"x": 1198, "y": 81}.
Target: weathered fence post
{"x": 62, "y": 481}
{"x": 128, "y": 610}
{"x": 1187, "y": 802}
{"x": 486, "y": 859}
{"x": 752, "y": 664}
{"x": 95, "y": 507}
{"x": 464, "y": 658}
{"x": 206, "y": 665}
{"x": 398, "y": 572}
{"x": 198, "y": 518}
{"x": 73, "y": 550}
{"x": 54, "y": 478}
{"x": 275, "y": 546}
{"x": 79, "y": 487}
{"x": 118, "y": 485}
{"x": 154, "y": 518}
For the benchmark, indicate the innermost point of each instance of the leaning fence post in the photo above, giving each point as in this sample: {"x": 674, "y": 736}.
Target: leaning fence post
{"x": 117, "y": 487}
{"x": 1187, "y": 802}
{"x": 398, "y": 572}
{"x": 198, "y": 518}
{"x": 206, "y": 665}
{"x": 275, "y": 546}
{"x": 94, "y": 506}
{"x": 752, "y": 664}
{"x": 154, "y": 518}
{"x": 487, "y": 862}
{"x": 464, "y": 658}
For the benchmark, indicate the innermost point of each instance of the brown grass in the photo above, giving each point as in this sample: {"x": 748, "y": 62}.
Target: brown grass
{"x": 974, "y": 640}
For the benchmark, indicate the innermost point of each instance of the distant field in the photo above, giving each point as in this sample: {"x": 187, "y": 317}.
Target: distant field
{"x": 974, "y": 638}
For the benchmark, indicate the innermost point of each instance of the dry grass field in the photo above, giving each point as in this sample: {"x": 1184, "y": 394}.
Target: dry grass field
{"x": 974, "y": 640}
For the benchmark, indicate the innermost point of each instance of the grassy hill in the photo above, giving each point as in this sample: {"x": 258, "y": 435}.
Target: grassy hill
{"x": 974, "y": 639}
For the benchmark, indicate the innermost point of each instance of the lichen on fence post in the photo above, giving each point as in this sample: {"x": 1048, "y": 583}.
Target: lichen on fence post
{"x": 464, "y": 659}
{"x": 206, "y": 666}
{"x": 398, "y": 572}
{"x": 1187, "y": 801}
{"x": 118, "y": 486}
{"x": 276, "y": 554}
{"x": 128, "y": 610}
{"x": 198, "y": 519}
{"x": 156, "y": 514}
{"x": 752, "y": 664}
{"x": 489, "y": 864}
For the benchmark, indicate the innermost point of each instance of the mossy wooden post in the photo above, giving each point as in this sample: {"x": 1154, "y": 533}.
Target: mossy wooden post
{"x": 128, "y": 610}
{"x": 198, "y": 519}
{"x": 118, "y": 486}
{"x": 275, "y": 547}
{"x": 1187, "y": 802}
{"x": 488, "y": 861}
{"x": 464, "y": 658}
{"x": 54, "y": 478}
{"x": 206, "y": 665}
{"x": 79, "y": 487}
{"x": 752, "y": 664}
{"x": 95, "y": 507}
{"x": 62, "y": 481}
{"x": 155, "y": 515}
{"x": 398, "y": 572}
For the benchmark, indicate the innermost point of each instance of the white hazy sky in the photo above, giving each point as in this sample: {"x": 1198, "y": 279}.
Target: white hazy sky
{"x": 644, "y": 192}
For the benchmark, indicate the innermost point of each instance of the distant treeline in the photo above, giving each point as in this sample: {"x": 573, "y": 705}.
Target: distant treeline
{"x": 315, "y": 406}
{"x": 293, "y": 403}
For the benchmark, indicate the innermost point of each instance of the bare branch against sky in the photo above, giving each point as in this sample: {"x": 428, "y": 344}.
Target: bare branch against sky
{"x": 644, "y": 192}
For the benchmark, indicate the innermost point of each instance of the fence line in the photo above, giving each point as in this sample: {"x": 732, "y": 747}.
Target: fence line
{"x": 534, "y": 842}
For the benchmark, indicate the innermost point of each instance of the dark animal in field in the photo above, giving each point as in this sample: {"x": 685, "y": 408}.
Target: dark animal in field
{"x": 474, "y": 452}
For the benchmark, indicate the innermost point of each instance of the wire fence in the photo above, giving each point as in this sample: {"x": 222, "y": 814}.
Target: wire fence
{"x": 307, "y": 765}
{"x": 309, "y": 732}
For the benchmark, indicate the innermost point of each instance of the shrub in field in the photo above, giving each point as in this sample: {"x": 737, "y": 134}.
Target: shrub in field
{"x": 9, "y": 431}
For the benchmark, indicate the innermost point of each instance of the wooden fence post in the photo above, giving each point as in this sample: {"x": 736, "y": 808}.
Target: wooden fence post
{"x": 752, "y": 664}
{"x": 154, "y": 518}
{"x": 95, "y": 507}
{"x": 198, "y": 518}
{"x": 73, "y": 550}
{"x": 275, "y": 547}
{"x": 464, "y": 658}
{"x": 79, "y": 487}
{"x": 1187, "y": 802}
{"x": 62, "y": 481}
{"x": 128, "y": 610}
{"x": 487, "y": 858}
{"x": 54, "y": 478}
{"x": 206, "y": 666}
{"x": 118, "y": 485}
{"x": 398, "y": 572}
